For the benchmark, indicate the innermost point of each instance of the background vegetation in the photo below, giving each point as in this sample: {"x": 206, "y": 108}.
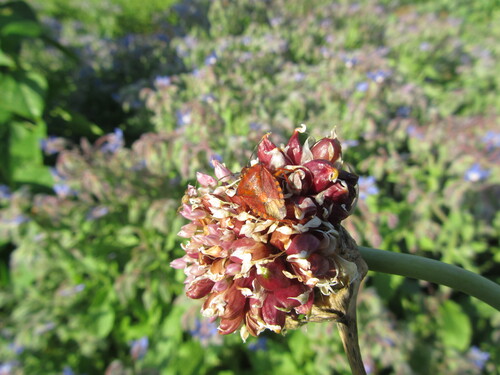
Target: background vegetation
{"x": 108, "y": 108}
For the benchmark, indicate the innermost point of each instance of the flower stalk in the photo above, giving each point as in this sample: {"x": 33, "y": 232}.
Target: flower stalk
{"x": 417, "y": 267}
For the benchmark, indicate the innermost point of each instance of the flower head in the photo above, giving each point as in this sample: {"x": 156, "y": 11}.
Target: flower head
{"x": 263, "y": 244}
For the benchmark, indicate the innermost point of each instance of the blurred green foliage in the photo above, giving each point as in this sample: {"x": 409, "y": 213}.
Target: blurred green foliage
{"x": 412, "y": 89}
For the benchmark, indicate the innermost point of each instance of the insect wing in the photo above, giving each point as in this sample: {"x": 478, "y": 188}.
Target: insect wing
{"x": 260, "y": 190}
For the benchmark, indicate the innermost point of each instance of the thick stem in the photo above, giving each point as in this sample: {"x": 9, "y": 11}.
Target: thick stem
{"x": 417, "y": 267}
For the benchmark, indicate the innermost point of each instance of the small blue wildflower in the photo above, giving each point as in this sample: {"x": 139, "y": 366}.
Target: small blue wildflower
{"x": 276, "y": 21}
{"x": 211, "y": 59}
{"x": 139, "y": 166}
{"x": 297, "y": 77}
{"x": 116, "y": 97}
{"x": 97, "y": 212}
{"x": 425, "y": 46}
{"x": 51, "y": 145}
{"x": 45, "y": 328}
{"x": 350, "y": 61}
{"x": 255, "y": 126}
{"x": 16, "y": 349}
{"x": 5, "y": 192}
{"x": 68, "y": 292}
{"x": 349, "y": 143}
{"x": 162, "y": 37}
{"x": 478, "y": 357}
{"x": 6, "y": 368}
{"x": 492, "y": 140}
{"x": 56, "y": 175}
{"x": 414, "y": 132}
{"x": 476, "y": 173}
{"x": 68, "y": 371}
{"x": 205, "y": 331}
{"x": 367, "y": 187}
{"x": 139, "y": 348}
{"x": 362, "y": 86}
{"x": 16, "y": 220}
{"x": 113, "y": 142}
{"x": 246, "y": 40}
{"x": 378, "y": 76}
{"x": 183, "y": 118}
{"x": 208, "y": 98}
{"x": 258, "y": 345}
{"x": 63, "y": 191}
{"x": 162, "y": 81}
{"x": 325, "y": 52}
{"x": 403, "y": 111}
{"x": 215, "y": 157}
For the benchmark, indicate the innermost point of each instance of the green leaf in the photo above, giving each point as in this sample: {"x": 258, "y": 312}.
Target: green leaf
{"x": 24, "y": 158}
{"x": 23, "y": 93}
{"x": 21, "y": 28}
{"x": 6, "y": 60}
{"x": 455, "y": 327}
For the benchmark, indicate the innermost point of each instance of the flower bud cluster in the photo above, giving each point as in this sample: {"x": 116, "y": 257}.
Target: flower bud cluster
{"x": 254, "y": 270}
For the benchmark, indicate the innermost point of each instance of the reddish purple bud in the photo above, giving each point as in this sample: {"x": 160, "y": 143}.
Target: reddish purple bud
{"x": 306, "y": 307}
{"x": 205, "y": 180}
{"x": 324, "y": 173}
{"x": 299, "y": 180}
{"x": 253, "y": 316}
{"x": 270, "y": 275}
{"x": 304, "y": 242}
{"x": 222, "y": 172}
{"x": 235, "y": 302}
{"x": 293, "y": 296}
{"x": 327, "y": 149}
{"x": 350, "y": 178}
{"x": 337, "y": 193}
{"x": 200, "y": 288}
{"x": 279, "y": 240}
{"x": 269, "y": 155}
{"x": 271, "y": 314}
{"x": 228, "y": 326}
{"x": 261, "y": 251}
{"x": 304, "y": 207}
{"x": 294, "y": 148}
{"x": 319, "y": 265}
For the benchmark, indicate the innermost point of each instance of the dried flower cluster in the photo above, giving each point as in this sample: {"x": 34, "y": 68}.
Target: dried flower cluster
{"x": 263, "y": 244}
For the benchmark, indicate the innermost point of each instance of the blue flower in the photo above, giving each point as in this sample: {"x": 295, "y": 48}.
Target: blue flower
{"x": 349, "y": 143}
{"x": 5, "y": 192}
{"x": 68, "y": 292}
{"x": 68, "y": 371}
{"x": 478, "y": 357}
{"x": 7, "y": 368}
{"x": 476, "y": 173}
{"x": 17, "y": 349}
{"x": 162, "y": 81}
{"x": 350, "y": 61}
{"x": 367, "y": 187}
{"x": 97, "y": 212}
{"x": 362, "y": 86}
{"x": 378, "y": 76}
{"x": 297, "y": 77}
{"x": 114, "y": 141}
{"x": 492, "y": 140}
{"x": 259, "y": 344}
{"x": 139, "y": 348}
{"x": 205, "y": 331}
{"x": 403, "y": 111}
{"x": 211, "y": 59}
{"x": 63, "y": 191}
{"x": 183, "y": 118}
{"x": 52, "y": 145}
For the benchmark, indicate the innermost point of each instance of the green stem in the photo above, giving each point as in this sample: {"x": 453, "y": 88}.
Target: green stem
{"x": 417, "y": 267}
